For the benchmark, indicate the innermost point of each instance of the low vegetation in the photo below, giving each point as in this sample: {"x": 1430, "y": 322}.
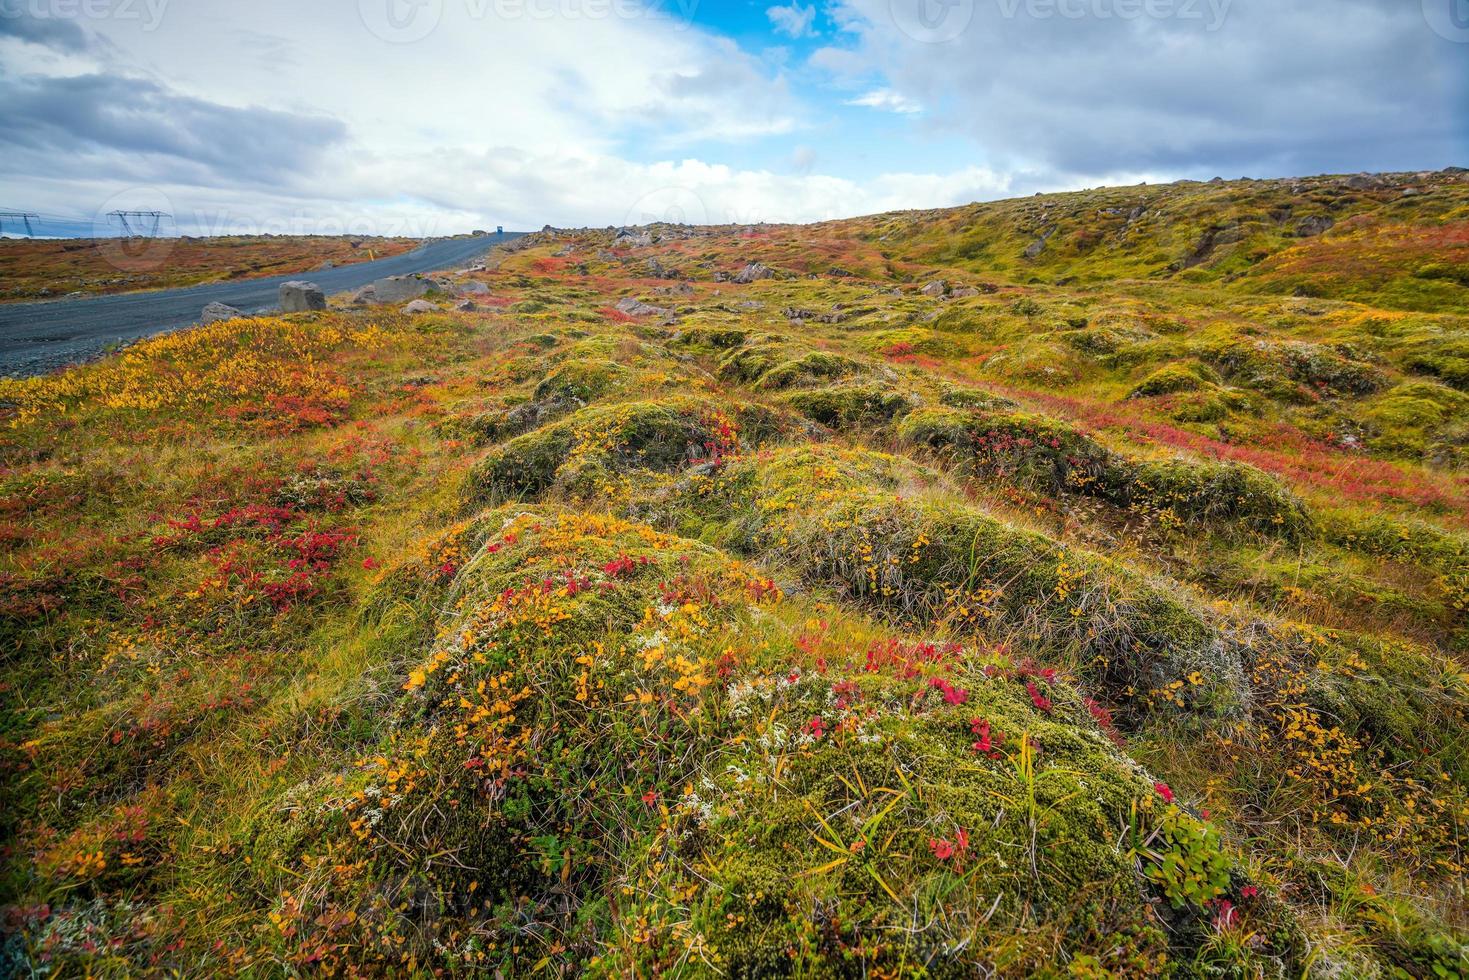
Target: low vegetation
{"x": 1103, "y": 616}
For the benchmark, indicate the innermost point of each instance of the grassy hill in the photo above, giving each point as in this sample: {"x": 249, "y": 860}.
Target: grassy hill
{"x": 52, "y": 268}
{"x": 886, "y": 597}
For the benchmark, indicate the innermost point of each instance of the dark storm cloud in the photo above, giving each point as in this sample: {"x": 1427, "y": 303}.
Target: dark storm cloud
{"x": 1238, "y": 87}
{"x": 50, "y": 32}
{"x": 59, "y": 118}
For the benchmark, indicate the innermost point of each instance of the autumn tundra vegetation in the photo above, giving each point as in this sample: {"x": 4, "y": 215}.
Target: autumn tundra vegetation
{"x": 1070, "y": 586}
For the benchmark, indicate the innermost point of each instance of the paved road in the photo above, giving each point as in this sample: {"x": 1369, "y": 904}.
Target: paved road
{"x": 40, "y": 337}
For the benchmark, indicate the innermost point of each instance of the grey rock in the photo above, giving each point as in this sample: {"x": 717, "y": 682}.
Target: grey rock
{"x": 1035, "y": 248}
{"x": 1363, "y": 182}
{"x": 754, "y": 272}
{"x": 420, "y": 306}
{"x": 964, "y": 292}
{"x": 937, "y": 288}
{"x": 1411, "y": 192}
{"x": 1456, "y": 170}
{"x": 365, "y": 296}
{"x": 215, "y": 312}
{"x": 399, "y": 289}
{"x": 464, "y": 305}
{"x": 682, "y": 289}
{"x": 299, "y": 296}
{"x": 635, "y": 307}
{"x": 1315, "y": 225}
{"x": 472, "y": 288}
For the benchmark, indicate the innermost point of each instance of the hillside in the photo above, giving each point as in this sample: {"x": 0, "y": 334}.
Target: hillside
{"x": 52, "y": 268}
{"x": 861, "y": 599}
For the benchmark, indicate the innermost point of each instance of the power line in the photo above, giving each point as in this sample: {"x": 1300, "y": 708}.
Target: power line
{"x": 24, "y": 216}
{"x": 141, "y": 217}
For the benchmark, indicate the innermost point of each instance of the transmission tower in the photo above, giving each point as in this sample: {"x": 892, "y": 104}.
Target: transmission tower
{"x": 142, "y": 217}
{"x": 24, "y": 216}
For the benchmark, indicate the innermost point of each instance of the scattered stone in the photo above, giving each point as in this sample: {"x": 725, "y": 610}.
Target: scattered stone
{"x": 1363, "y": 182}
{"x": 841, "y": 273}
{"x": 399, "y": 289}
{"x": 635, "y": 307}
{"x": 753, "y": 272}
{"x": 463, "y": 306}
{"x": 421, "y": 306}
{"x": 632, "y": 238}
{"x": 215, "y": 312}
{"x": 299, "y": 296}
{"x": 1316, "y": 224}
{"x": 682, "y": 289}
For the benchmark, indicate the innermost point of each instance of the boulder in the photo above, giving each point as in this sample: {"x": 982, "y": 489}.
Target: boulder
{"x": 1315, "y": 225}
{"x": 1411, "y": 192}
{"x": 754, "y": 272}
{"x": 399, "y": 289}
{"x": 420, "y": 306}
{"x": 1035, "y": 248}
{"x": 299, "y": 296}
{"x": 463, "y": 306}
{"x": 635, "y": 307}
{"x": 682, "y": 289}
{"x": 964, "y": 292}
{"x": 215, "y": 312}
{"x": 937, "y": 288}
{"x": 472, "y": 288}
{"x": 365, "y": 296}
{"x": 1363, "y": 182}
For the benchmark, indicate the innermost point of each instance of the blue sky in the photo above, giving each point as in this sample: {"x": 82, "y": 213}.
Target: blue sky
{"x": 430, "y": 117}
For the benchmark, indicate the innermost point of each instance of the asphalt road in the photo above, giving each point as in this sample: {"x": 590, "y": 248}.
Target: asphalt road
{"x": 40, "y": 337}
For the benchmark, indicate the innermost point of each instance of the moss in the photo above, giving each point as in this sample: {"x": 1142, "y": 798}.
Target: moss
{"x": 1217, "y": 494}
{"x": 592, "y": 445}
{"x": 810, "y": 368}
{"x": 936, "y": 560}
{"x": 1167, "y": 380}
{"x": 582, "y": 379}
{"x": 850, "y": 406}
{"x": 1032, "y": 450}
{"x": 1043, "y": 454}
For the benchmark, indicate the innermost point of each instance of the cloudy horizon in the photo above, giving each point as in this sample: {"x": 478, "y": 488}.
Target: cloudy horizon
{"x": 434, "y": 117}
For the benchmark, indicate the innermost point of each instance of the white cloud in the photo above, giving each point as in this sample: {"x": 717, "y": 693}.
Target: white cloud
{"x": 793, "y": 19}
{"x": 1234, "y": 87}
{"x": 887, "y": 100}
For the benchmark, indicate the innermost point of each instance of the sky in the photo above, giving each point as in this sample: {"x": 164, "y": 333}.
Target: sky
{"x": 436, "y": 117}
